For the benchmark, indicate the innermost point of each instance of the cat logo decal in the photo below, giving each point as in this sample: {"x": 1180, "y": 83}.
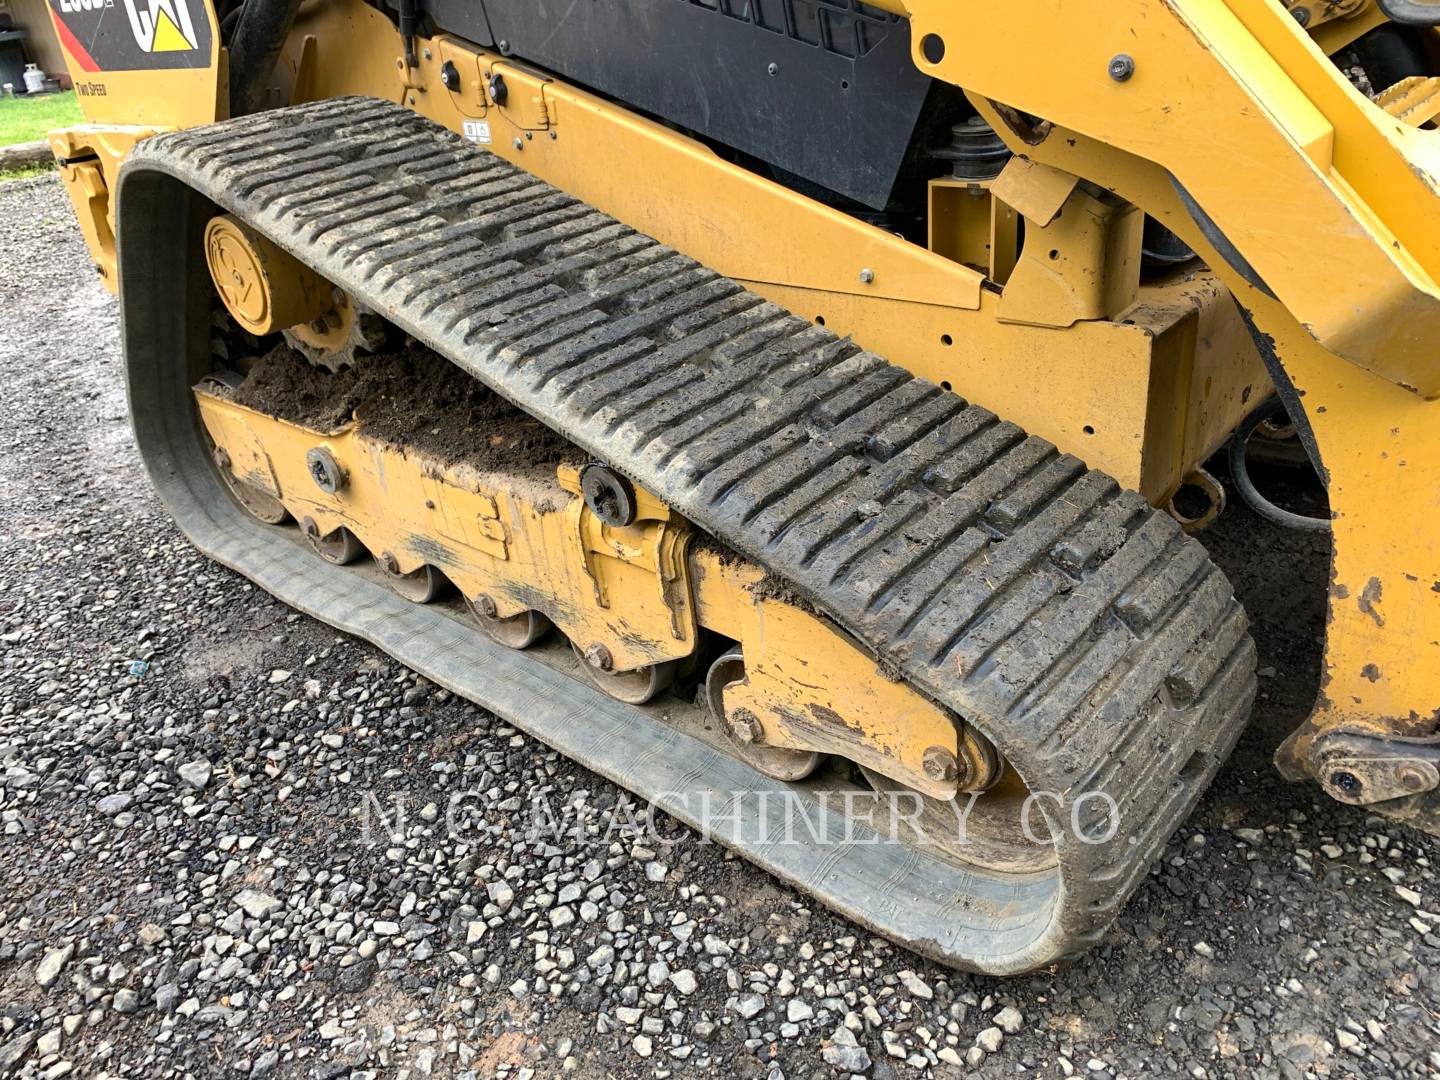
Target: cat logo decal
{"x": 162, "y": 25}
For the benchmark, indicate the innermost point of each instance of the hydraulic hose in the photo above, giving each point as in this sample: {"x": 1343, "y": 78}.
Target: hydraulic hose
{"x": 1412, "y": 12}
{"x": 259, "y": 36}
{"x": 1240, "y": 474}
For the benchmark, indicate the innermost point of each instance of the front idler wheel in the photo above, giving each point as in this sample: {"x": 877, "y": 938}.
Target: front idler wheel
{"x": 260, "y": 505}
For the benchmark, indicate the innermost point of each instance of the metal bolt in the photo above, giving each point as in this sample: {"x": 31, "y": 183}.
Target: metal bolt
{"x": 222, "y": 459}
{"x": 324, "y": 470}
{"x": 1347, "y": 782}
{"x": 1122, "y": 67}
{"x": 1411, "y": 778}
{"x": 598, "y": 657}
{"x": 940, "y": 765}
{"x": 389, "y": 564}
{"x": 504, "y": 45}
{"x": 425, "y": 53}
{"x": 1302, "y": 15}
{"x": 484, "y": 606}
{"x": 773, "y": 69}
{"x": 745, "y": 727}
{"x": 519, "y": 144}
{"x": 867, "y": 276}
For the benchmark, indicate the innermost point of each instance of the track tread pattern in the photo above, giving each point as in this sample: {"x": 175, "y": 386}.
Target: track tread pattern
{"x": 1092, "y": 641}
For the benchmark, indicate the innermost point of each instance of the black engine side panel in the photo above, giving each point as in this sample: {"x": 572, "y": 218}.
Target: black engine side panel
{"x": 822, "y": 89}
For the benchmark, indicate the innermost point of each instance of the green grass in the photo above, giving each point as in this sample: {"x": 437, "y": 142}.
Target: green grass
{"x": 26, "y": 172}
{"x": 25, "y": 119}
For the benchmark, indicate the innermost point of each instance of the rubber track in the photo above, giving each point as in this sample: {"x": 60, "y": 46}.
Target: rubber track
{"x": 1096, "y": 644}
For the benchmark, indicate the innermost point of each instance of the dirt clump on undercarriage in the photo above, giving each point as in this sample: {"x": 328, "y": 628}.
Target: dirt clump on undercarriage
{"x": 412, "y": 398}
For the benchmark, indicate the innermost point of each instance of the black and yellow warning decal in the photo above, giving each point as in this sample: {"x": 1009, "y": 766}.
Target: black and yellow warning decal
{"x": 135, "y": 35}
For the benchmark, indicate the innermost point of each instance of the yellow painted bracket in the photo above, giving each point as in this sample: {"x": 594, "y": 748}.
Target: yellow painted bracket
{"x": 492, "y": 534}
{"x": 1304, "y": 183}
{"x": 89, "y": 157}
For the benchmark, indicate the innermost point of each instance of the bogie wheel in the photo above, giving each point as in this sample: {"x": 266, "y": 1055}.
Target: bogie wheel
{"x": 514, "y": 631}
{"x": 419, "y": 586}
{"x": 632, "y": 687}
{"x": 260, "y": 505}
{"x": 339, "y": 546}
{"x": 745, "y": 731}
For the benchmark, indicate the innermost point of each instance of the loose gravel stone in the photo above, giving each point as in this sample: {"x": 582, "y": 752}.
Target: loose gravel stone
{"x": 990, "y": 1039}
{"x": 1009, "y": 1020}
{"x": 196, "y": 773}
{"x": 52, "y": 963}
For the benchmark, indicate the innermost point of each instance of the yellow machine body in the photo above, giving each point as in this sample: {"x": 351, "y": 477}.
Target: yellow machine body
{"x": 1312, "y": 207}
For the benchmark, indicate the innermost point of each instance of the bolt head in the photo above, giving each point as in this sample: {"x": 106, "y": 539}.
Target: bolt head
{"x": 1122, "y": 66}
{"x": 324, "y": 470}
{"x": 389, "y": 563}
{"x": 1345, "y": 781}
{"x": 484, "y": 606}
{"x": 1301, "y": 15}
{"x": 940, "y": 765}
{"x": 867, "y": 276}
{"x": 598, "y": 657}
{"x": 519, "y": 144}
{"x": 773, "y": 69}
{"x": 1411, "y": 778}
{"x": 745, "y": 727}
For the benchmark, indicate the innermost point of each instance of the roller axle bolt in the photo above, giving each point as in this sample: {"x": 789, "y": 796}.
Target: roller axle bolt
{"x": 745, "y": 727}
{"x": 390, "y": 564}
{"x": 324, "y": 470}
{"x": 1412, "y": 779}
{"x": 1347, "y": 782}
{"x": 940, "y": 765}
{"x": 484, "y": 606}
{"x": 598, "y": 657}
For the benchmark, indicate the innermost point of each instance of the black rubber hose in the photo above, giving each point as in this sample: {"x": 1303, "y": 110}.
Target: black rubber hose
{"x": 407, "y": 19}
{"x": 259, "y": 36}
{"x": 1240, "y": 474}
{"x": 1412, "y": 12}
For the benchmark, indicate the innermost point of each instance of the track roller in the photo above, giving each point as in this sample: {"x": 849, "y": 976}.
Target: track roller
{"x": 515, "y": 631}
{"x": 747, "y": 734}
{"x": 260, "y": 505}
{"x": 419, "y": 586}
{"x": 339, "y": 546}
{"x": 632, "y": 687}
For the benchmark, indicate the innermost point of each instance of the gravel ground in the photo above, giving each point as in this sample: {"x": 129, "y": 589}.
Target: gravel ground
{"x": 187, "y": 889}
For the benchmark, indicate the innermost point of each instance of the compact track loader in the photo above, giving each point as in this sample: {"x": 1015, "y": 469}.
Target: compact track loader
{"x": 796, "y": 410}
